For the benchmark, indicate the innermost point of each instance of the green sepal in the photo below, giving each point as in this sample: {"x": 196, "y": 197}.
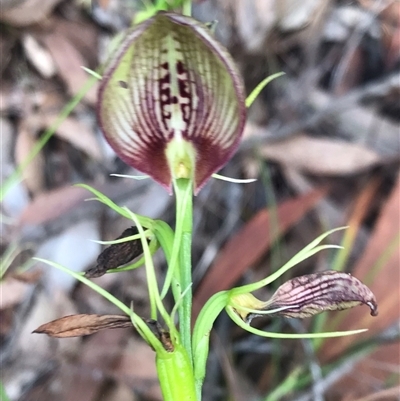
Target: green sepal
{"x": 232, "y": 314}
{"x": 311, "y": 249}
{"x": 144, "y": 221}
{"x": 201, "y": 335}
{"x": 257, "y": 90}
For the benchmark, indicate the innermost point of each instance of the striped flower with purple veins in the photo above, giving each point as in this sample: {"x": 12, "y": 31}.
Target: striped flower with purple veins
{"x": 171, "y": 102}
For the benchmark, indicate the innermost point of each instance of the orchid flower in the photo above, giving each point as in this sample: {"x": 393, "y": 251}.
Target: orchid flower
{"x": 172, "y": 105}
{"x": 171, "y": 102}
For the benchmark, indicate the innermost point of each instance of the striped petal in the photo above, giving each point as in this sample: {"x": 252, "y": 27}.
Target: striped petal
{"x": 172, "y": 85}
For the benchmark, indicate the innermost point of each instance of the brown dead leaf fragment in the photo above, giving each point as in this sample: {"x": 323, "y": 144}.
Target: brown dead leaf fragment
{"x": 311, "y": 294}
{"x": 77, "y": 134}
{"x": 321, "y": 156}
{"x": 50, "y": 205}
{"x": 69, "y": 63}
{"x": 13, "y": 292}
{"x": 39, "y": 57}
{"x": 26, "y": 12}
{"x": 82, "y": 325}
{"x": 32, "y": 174}
{"x": 117, "y": 254}
{"x": 162, "y": 335}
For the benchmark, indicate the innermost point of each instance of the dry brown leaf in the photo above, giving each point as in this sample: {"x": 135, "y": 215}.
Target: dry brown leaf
{"x": 7, "y": 134}
{"x": 137, "y": 368}
{"x": 7, "y": 44}
{"x": 294, "y": 15}
{"x": 363, "y": 202}
{"x": 355, "y": 120}
{"x": 77, "y": 134}
{"x": 69, "y": 63}
{"x": 33, "y": 173}
{"x": 321, "y": 156}
{"x": 250, "y": 243}
{"x": 118, "y": 391}
{"x": 82, "y": 34}
{"x": 34, "y": 354}
{"x": 372, "y": 367}
{"x": 350, "y": 72}
{"x": 50, "y": 205}
{"x": 390, "y": 30}
{"x": 53, "y": 204}
{"x": 255, "y": 20}
{"x": 360, "y": 208}
{"x": 384, "y": 283}
{"x": 83, "y": 325}
{"x": 98, "y": 358}
{"x": 26, "y": 12}
{"x": 38, "y": 56}
{"x": 12, "y": 292}
{"x": 31, "y": 276}
{"x": 43, "y": 308}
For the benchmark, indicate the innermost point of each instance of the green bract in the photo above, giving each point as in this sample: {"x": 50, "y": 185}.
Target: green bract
{"x": 171, "y": 102}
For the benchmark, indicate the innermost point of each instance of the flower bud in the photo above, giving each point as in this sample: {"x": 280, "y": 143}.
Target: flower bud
{"x": 309, "y": 295}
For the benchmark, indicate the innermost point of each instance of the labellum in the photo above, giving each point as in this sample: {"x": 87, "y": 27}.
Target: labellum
{"x": 171, "y": 103}
{"x": 311, "y": 294}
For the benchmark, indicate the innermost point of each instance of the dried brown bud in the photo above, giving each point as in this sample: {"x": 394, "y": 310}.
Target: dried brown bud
{"x": 83, "y": 325}
{"x": 308, "y": 295}
{"x": 117, "y": 254}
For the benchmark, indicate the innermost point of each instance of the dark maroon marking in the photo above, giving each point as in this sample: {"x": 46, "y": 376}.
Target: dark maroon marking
{"x": 180, "y": 68}
{"x": 165, "y": 92}
{"x": 164, "y": 65}
{"x": 183, "y": 86}
{"x": 174, "y": 100}
{"x": 165, "y": 79}
{"x": 186, "y": 112}
{"x": 148, "y": 110}
{"x": 123, "y": 84}
{"x": 186, "y": 109}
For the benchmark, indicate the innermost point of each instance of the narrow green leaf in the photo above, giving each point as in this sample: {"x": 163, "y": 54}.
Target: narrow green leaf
{"x": 138, "y": 322}
{"x": 257, "y": 90}
{"x": 232, "y": 314}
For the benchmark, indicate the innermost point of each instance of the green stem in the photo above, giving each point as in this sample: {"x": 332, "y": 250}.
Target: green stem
{"x": 201, "y": 335}
{"x": 3, "y": 394}
{"x": 187, "y": 7}
{"x": 183, "y": 239}
{"x": 175, "y": 373}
